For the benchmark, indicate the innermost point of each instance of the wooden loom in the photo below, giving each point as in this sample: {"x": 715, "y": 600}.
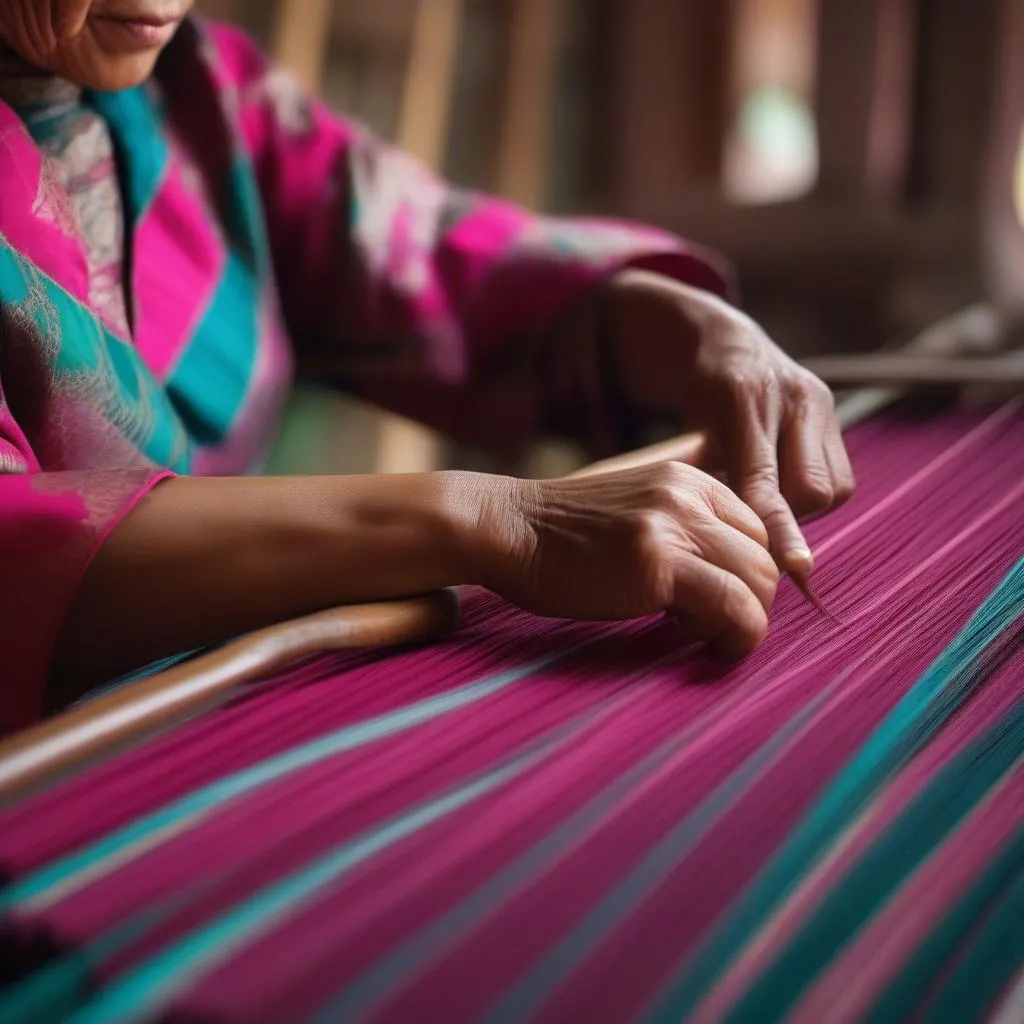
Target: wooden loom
{"x": 91, "y": 732}
{"x": 957, "y": 351}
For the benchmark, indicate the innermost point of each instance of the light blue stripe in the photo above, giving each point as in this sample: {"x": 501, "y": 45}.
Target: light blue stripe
{"x": 94, "y": 362}
{"x": 208, "y": 798}
{"x": 211, "y": 380}
{"x": 147, "y": 989}
{"x": 138, "y": 131}
{"x": 524, "y": 1000}
{"x": 359, "y": 997}
{"x": 907, "y": 729}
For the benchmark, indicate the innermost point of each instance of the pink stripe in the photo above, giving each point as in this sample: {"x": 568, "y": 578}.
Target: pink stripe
{"x": 29, "y": 218}
{"x": 847, "y": 849}
{"x": 1004, "y": 415}
{"x": 179, "y": 263}
{"x": 859, "y": 976}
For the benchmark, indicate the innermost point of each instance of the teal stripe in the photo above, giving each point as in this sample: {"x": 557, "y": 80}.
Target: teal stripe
{"x": 138, "y": 133}
{"x": 51, "y": 995}
{"x": 924, "y": 825}
{"x": 525, "y": 999}
{"x": 902, "y": 998}
{"x": 146, "y": 990}
{"x": 89, "y": 361}
{"x": 209, "y": 384}
{"x": 989, "y": 965}
{"x": 203, "y": 801}
{"x": 906, "y": 730}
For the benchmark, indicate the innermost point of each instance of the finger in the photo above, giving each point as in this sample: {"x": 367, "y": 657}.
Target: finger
{"x": 727, "y": 507}
{"x": 757, "y": 478}
{"x": 733, "y": 617}
{"x": 736, "y": 553}
{"x": 68, "y": 17}
{"x": 806, "y": 476}
{"x": 843, "y": 479}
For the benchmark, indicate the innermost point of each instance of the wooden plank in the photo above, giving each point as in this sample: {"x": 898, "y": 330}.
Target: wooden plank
{"x": 430, "y": 80}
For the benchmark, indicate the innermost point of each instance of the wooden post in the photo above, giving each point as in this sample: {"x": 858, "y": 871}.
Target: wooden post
{"x": 522, "y": 161}
{"x": 300, "y": 38}
{"x": 404, "y": 446}
{"x": 1004, "y": 230}
{"x": 672, "y": 97}
{"x": 865, "y": 91}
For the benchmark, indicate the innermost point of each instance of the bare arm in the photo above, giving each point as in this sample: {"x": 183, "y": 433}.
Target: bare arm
{"x": 198, "y": 561}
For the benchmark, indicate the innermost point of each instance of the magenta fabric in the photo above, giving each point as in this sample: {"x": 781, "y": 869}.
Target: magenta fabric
{"x": 649, "y": 788}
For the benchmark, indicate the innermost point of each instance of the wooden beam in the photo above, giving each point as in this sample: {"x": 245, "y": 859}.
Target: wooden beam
{"x": 430, "y": 80}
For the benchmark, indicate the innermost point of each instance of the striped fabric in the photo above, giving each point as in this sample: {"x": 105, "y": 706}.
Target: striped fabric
{"x": 555, "y": 822}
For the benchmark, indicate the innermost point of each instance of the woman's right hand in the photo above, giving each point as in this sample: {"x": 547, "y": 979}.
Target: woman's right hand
{"x": 657, "y": 538}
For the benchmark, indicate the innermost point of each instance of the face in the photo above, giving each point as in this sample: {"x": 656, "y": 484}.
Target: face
{"x": 100, "y": 44}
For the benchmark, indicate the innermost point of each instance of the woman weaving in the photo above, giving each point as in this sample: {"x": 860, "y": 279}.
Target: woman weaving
{"x": 177, "y": 223}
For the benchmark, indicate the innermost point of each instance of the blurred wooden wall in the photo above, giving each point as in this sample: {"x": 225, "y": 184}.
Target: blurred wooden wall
{"x": 642, "y": 108}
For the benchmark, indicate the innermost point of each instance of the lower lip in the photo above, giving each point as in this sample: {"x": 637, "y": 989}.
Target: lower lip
{"x": 139, "y": 34}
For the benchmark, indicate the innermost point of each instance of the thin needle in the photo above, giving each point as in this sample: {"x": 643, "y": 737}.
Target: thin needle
{"x": 802, "y": 584}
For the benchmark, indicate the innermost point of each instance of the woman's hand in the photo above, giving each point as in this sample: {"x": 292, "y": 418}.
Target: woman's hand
{"x": 658, "y": 538}
{"x": 685, "y": 352}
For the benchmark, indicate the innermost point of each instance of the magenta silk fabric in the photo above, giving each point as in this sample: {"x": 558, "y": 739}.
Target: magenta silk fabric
{"x": 631, "y": 791}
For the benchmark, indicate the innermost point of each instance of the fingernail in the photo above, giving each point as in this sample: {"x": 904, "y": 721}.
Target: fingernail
{"x": 799, "y": 560}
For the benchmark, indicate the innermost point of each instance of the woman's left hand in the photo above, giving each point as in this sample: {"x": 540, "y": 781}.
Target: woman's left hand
{"x": 773, "y": 424}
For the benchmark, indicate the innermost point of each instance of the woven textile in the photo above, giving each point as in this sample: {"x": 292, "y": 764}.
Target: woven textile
{"x": 565, "y": 822}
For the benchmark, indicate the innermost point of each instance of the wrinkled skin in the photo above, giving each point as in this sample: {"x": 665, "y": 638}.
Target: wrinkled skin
{"x": 101, "y": 44}
{"x": 769, "y": 423}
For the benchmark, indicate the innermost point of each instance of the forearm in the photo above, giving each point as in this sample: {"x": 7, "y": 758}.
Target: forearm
{"x": 200, "y": 560}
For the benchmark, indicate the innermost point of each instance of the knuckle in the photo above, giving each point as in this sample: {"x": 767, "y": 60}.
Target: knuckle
{"x": 811, "y": 390}
{"x": 844, "y": 490}
{"x": 648, "y": 535}
{"x": 816, "y": 488}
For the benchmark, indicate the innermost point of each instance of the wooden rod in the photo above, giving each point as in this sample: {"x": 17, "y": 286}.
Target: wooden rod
{"x": 300, "y": 39}
{"x": 423, "y": 122}
{"x": 123, "y": 718}
{"x": 897, "y": 369}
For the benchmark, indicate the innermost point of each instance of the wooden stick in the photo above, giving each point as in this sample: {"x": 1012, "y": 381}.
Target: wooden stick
{"x": 898, "y": 370}
{"x": 92, "y": 732}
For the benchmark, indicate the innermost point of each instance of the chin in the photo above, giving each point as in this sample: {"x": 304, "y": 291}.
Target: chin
{"x": 107, "y": 74}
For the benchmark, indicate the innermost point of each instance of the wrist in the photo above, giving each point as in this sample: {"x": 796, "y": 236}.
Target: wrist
{"x": 486, "y": 524}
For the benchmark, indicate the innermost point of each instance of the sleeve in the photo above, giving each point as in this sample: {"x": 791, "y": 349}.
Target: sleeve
{"x": 51, "y": 525}
{"x": 438, "y": 303}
